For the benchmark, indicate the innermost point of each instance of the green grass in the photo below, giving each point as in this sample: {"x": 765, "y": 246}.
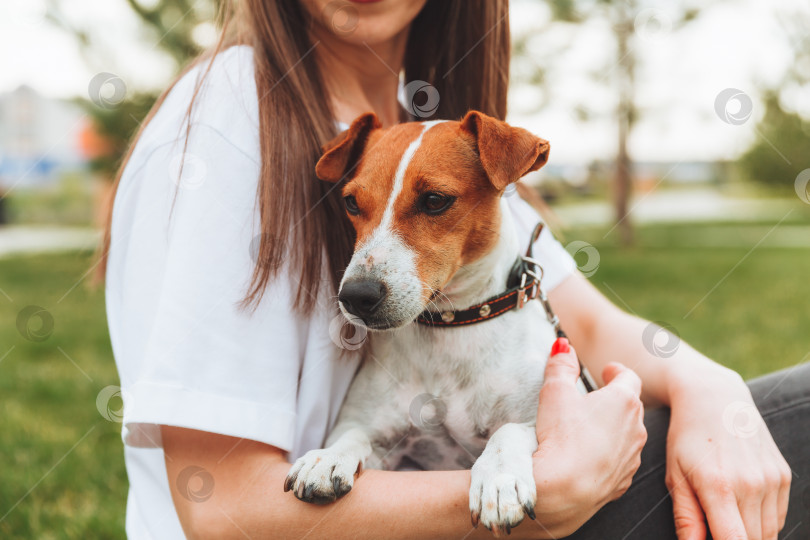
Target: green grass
{"x": 71, "y": 201}
{"x": 745, "y": 307}
{"x": 63, "y": 472}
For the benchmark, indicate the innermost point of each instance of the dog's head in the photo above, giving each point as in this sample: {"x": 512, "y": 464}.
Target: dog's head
{"x": 424, "y": 201}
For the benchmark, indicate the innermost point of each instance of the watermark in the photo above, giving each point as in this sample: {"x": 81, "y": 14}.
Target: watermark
{"x": 341, "y": 17}
{"x": 742, "y": 419}
{"x": 733, "y": 106}
{"x": 802, "y": 183}
{"x": 510, "y": 190}
{"x": 420, "y": 98}
{"x": 348, "y": 333}
{"x": 428, "y": 412}
{"x": 652, "y": 24}
{"x": 188, "y": 171}
{"x": 255, "y": 247}
{"x": 110, "y": 403}
{"x": 255, "y": 250}
{"x": 661, "y": 339}
{"x": 195, "y": 484}
{"x": 35, "y": 323}
{"x": 107, "y": 90}
{"x": 591, "y": 263}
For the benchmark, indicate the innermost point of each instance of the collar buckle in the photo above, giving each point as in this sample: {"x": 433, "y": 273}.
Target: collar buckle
{"x": 527, "y": 291}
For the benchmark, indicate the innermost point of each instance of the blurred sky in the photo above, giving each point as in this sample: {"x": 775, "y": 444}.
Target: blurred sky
{"x": 733, "y": 43}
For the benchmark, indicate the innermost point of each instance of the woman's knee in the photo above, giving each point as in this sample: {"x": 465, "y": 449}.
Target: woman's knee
{"x": 785, "y": 389}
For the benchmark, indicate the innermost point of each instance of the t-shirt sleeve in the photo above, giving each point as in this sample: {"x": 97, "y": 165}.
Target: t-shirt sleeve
{"x": 185, "y": 231}
{"x": 557, "y": 263}
{"x": 183, "y": 266}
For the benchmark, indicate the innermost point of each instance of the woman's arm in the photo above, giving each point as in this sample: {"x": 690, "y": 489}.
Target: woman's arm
{"x": 603, "y": 333}
{"x": 739, "y": 480}
{"x": 247, "y": 498}
{"x": 248, "y": 501}
{"x": 574, "y": 477}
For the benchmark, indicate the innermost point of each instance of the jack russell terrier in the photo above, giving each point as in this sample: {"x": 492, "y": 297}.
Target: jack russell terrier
{"x": 437, "y": 252}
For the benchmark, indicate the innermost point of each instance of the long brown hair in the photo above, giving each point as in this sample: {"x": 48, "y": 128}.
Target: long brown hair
{"x": 460, "y": 47}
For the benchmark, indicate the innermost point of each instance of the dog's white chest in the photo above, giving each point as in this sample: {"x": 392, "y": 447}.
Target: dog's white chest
{"x": 438, "y": 394}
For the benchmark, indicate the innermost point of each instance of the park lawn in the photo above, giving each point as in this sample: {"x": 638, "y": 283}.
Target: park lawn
{"x": 62, "y": 461}
{"x": 63, "y": 473}
{"x": 744, "y": 306}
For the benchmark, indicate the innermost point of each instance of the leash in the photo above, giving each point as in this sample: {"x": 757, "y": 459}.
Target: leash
{"x": 522, "y": 286}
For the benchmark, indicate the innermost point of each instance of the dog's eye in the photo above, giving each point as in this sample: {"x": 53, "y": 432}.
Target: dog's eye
{"x": 435, "y": 203}
{"x": 351, "y": 205}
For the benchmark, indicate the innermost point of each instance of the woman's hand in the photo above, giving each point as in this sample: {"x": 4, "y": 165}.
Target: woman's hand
{"x": 589, "y": 445}
{"x": 722, "y": 462}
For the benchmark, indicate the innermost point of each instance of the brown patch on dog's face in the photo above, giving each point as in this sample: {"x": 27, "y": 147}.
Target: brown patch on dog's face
{"x": 373, "y": 182}
{"x": 448, "y": 165}
{"x": 446, "y": 212}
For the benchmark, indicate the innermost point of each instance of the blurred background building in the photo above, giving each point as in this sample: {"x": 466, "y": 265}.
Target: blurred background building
{"x": 40, "y": 139}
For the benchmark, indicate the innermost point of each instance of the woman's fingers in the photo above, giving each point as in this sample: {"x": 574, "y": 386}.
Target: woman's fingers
{"x": 774, "y": 507}
{"x": 559, "y": 385}
{"x": 562, "y": 365}
{"x": 722, "y": 512}
{"x": 770, "y": 516}
{"x": 751, "y": 511}
{"x": 785, "y": 476}
{"x": 610, "y": 371}
{"x": 690, "y": 522}
{"x": 617, "y": 375}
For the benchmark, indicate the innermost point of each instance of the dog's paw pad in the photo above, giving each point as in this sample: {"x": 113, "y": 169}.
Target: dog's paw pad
{"x": 321, "y": 476}
{"x": 501, "y": 495}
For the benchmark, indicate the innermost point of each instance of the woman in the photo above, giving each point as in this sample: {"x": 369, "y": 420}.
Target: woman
{"x": 223, "y": 254}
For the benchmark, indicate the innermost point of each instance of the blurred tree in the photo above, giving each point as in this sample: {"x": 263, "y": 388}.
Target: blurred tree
{"x": 782, "y": 147}
{"x": 178, "y": 24}
{"x": 112, "y": 130}
{"x": 627, "y": 19}
{"x": 179, "y": 28}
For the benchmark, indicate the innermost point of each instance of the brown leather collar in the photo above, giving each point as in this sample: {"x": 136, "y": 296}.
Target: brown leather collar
{"x": 523, "y": 285}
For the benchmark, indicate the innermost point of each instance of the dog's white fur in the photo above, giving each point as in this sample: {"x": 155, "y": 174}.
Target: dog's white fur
{"x": 442, "y": 398}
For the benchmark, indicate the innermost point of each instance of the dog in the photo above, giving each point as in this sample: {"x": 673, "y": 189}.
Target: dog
{"x": 433, "y": 239}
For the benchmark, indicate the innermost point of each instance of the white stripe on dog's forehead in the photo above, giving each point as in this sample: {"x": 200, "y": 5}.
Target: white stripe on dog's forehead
{"x": 383, "y": 254}
{"x": 399, "y": 176}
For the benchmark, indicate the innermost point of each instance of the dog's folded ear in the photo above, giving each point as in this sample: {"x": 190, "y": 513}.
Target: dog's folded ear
{"x": 507, "y": 153}
{"x": 342, "y": 153}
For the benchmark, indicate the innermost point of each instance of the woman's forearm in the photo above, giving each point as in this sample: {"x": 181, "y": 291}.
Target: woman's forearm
{"x": 603, "y": 333}
{"x": 664, "y": 375}
{"x": 385, "y": 504}
{"x": 247, "y": 498}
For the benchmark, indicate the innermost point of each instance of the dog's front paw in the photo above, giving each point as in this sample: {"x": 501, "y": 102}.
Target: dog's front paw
{"x": 502, "y": 488}
{"x": 322, "y": 476}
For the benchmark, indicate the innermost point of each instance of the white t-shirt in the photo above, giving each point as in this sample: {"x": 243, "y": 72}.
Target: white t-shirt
{"x": 181, "y": 260}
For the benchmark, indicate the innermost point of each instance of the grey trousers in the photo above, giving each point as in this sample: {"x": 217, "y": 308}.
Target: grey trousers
{"x": 645, "y": 511}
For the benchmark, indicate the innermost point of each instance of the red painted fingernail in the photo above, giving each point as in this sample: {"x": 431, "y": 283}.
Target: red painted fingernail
{"x": 560, "y": 346}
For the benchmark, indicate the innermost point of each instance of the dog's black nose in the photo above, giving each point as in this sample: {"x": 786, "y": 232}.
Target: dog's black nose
{"x": 362, "y": 297}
